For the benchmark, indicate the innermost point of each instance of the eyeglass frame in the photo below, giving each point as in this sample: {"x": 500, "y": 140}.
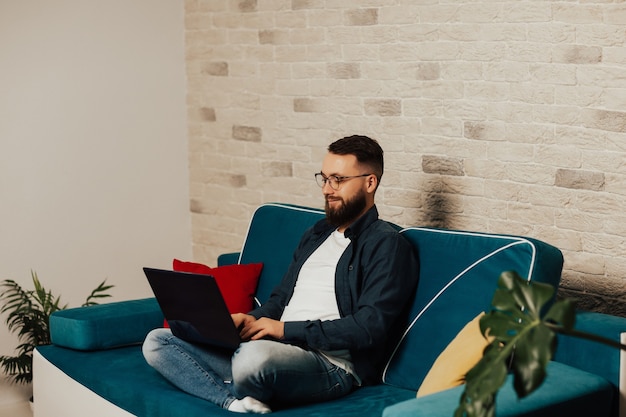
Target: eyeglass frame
{"x": 338, "y": 179}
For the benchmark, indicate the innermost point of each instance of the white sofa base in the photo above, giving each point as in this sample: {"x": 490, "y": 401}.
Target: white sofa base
{"x": 58, "y": 395}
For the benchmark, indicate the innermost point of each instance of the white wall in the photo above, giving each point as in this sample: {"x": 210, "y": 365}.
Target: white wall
{"x": 93, "y": 145}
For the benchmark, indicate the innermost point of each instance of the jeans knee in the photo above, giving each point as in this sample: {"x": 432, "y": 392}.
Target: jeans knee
{"x": 252, "y": 368}
{"x": 247, "y": 362}
{"x": 153, "y": 343}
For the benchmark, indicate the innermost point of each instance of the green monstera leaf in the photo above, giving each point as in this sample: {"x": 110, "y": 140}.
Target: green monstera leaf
{"x": 523, "y": 342}
{"x": 522, "y": 331}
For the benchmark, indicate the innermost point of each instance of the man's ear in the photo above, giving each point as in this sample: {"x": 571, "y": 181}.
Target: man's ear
{"x": 371, "y": 183}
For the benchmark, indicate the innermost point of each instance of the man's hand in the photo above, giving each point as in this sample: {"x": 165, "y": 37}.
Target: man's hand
{"x": 242, "y": 320}
{"x": 253, "y": 329}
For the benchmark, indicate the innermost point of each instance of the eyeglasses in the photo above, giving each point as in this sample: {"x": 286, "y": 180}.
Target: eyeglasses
{"x": 334, "y": 180}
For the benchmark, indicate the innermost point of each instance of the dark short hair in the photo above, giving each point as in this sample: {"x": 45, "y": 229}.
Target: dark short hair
{"x": 367, "y": 151}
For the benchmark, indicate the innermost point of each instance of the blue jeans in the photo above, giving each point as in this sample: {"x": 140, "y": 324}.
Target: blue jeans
{"x": 263, "y": 369}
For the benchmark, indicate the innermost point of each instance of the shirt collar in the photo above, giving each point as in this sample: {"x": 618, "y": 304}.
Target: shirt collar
{"x": 362, "y": 223}
{"x": 355, "y": 229}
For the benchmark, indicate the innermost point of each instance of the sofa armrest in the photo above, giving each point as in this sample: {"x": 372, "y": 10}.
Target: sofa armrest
{"x": 584, "y": 394}
{"x": 590, "y": 356}
{"x": 105, "y": 326}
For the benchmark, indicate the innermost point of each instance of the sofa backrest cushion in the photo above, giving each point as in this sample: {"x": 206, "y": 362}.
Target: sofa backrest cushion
{"x": 458, "y": 276}
{"x": 273, "y": 235}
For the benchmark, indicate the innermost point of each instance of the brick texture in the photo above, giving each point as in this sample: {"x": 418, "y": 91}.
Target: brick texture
{"x": 496, "y": 116}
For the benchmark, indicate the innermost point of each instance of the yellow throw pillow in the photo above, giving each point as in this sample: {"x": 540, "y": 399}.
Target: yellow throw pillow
{"x": 463, "y": 352}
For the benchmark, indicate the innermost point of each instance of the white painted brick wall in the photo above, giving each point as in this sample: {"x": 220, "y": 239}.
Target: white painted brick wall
{"x": 498, "y": 116}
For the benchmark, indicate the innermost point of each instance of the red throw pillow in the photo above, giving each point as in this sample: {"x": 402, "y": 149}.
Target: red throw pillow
{"x": 236, "y": 282}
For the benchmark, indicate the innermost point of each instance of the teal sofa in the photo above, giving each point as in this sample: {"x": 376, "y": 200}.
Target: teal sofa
{"x": 99, "y": 347}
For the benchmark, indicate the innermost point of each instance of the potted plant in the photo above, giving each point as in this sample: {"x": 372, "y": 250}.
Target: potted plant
{"x": 522, "y": 330}
{"x": 28, "y": 313}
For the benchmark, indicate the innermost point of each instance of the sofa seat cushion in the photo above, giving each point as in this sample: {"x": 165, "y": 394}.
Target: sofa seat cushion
{"x": 122, "y": 377}
{"x": 566, "y": 391}
{"x": 105, "y": 326}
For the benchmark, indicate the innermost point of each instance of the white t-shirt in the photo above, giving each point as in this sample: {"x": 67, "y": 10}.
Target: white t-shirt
{"x": 314, "y": 294}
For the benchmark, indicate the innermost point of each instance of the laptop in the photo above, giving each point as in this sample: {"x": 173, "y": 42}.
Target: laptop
{"x": 194, "y": 308}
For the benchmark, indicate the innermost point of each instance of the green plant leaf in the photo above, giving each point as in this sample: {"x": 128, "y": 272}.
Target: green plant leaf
{"x": 562, "y": 313}
{"x": 99, "y": 292}
{"x": 28, "y": 313}
{"x": 524, "y": 296}
{"x": 500, "y": 325}
{"x": 520, "y": 339}
{"x": 531, "y": 356}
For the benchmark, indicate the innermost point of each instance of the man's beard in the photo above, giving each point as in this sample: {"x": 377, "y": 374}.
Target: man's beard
{"x": 348, "y": 212}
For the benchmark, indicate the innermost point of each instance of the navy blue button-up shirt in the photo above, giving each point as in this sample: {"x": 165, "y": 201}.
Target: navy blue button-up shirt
{"x": 375, "y": 280}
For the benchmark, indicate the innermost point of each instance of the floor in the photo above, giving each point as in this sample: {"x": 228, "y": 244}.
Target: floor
{"x": 16, "y": 410}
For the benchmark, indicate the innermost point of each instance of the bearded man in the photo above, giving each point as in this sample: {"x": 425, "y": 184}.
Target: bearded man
{"x": 325, "y": 329}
